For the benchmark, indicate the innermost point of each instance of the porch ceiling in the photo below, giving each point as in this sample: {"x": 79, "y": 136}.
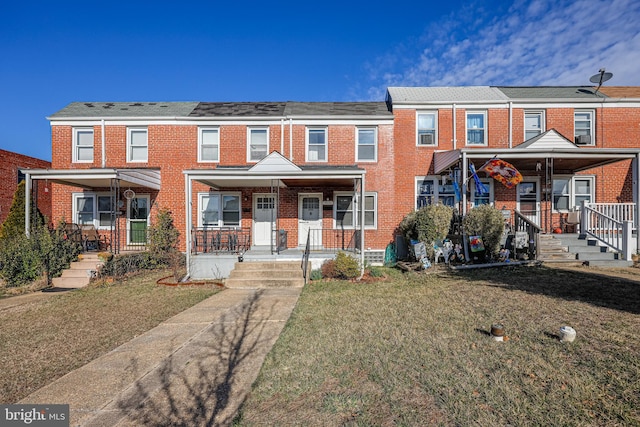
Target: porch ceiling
{"x": 567, "y": 161}
{"x": 99, "y": 178}
{"x": 247, "y": 178}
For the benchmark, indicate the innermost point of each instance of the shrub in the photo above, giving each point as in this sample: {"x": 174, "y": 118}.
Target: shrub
{"x": 488, "y": 222}
{"x": 13, "y": 225}
{"x": 428, "y": 224}
{"x": 123, "y": 265}
{"x": 346, "y": 267}
{"x": 163, "y": 235}
{"x": 316, "y": 274}
{"x": 328, "y": 269}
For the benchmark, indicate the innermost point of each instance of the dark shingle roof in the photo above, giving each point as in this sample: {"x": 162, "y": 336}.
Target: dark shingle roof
{"x": 549, "y": 92}
{"x": 126, "y": 109}
{"x": 337, "y": 109}
{"x": 239, "y": 109}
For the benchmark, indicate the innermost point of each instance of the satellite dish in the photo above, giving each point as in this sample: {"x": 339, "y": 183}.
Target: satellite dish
{"x": 601, "y": 77}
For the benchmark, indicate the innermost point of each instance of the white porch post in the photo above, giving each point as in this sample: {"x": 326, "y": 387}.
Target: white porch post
{"x": 27, "y": 204}
{"x": 637, "y": 197}
{"x": 463, "y": 187}
{"x": 188, "y": 216}
{"x": 362, "y": 204}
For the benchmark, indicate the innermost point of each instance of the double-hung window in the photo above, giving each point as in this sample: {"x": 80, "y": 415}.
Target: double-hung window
{"x": 533, "y": 124}
{"x": 92, "y": 209}
{"x": 219, "y": 210}
{"x": 427, "y": 128}
{"x": 258, "y": 143}
{"x": 316, "y": 144}
{"x": 367, "y": 144}
{"x": 431, "y": 191}
{"x": 347, "y": 213}
{"x": 476, "y": 128}
{"x": 209, "y": 145}
{"x": 137, "y": 145}
{"x": 570, "y": 192}
{"x": 583, "y": 127}
{"x": 83, "y": 145}
{"x": 479, "y": 197}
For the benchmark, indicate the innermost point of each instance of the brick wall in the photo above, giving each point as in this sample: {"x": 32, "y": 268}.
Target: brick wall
{"x": 9, "y": 164}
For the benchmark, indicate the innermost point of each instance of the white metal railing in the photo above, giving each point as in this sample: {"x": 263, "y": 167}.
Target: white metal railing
{"x": 606, "y": 229}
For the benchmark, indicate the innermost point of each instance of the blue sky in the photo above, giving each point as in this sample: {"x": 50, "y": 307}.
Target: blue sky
{"x": 54, "y": 53}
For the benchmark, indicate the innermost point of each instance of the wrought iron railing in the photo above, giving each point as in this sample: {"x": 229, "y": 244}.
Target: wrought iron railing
{"x": 220, "y": 240}
{"x": 305, "y": 258}
{"x": 329, "y": 239}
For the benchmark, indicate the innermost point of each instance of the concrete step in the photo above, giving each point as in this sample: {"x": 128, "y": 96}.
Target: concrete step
{"x": 265, "y": 274}
{"x": 70, "y": 282}
{"x": 617, "y": 263}
{"x": 597, "y": 256}
{"x": 235, "y": 283}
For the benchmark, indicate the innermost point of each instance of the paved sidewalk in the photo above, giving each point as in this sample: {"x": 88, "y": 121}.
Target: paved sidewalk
{"x": 194, "y": 369}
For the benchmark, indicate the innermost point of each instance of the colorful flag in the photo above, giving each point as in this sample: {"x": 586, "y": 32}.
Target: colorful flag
{"x": 503, "y": 172}
{"x": 480, "y": 188}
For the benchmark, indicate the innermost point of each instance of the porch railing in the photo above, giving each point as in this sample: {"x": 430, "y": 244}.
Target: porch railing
{"x": 328, "y": 239}
{"x": 217, "y": 240}
{"x": 619, "y": 211}
{"x": 612, "y": 232}
{"x": 522, "y": 224}
{"x": 305, "y": 258}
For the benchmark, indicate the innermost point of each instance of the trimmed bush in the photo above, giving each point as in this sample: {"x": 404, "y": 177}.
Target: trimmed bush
{"x": 123, "y": 265}
{"x": 487, "y": 222}
{"x": 346, "y": 267}
{"x": 428, "y": 224}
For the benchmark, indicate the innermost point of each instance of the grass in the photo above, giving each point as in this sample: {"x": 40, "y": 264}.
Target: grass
{"x": 43, "y": 340}
{"x": 415, "y": 350}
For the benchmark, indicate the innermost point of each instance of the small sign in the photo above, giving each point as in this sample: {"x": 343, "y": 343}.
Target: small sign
{"x": 34, "y": 415}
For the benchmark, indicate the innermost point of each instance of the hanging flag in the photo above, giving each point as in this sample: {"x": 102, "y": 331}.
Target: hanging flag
{"x": 480, "y": 188}
{"x": 503, "y": 172}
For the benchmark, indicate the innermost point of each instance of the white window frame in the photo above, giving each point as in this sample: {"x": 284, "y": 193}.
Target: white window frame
{"x": 202, "y": 144}
{"x": 572, "y": 194}
{"x": 355, "y": 210}
{"x": 221, "y": 221}
{"x": 438, "y": 195}
{"x": 359, "y": 144}
{"x": 427, "y": 131}
{"x": 541, "y": 117}
{"x": 592, "y": 128}
{"x": 130, "y": 132}
{"x": 250, "y": 144}
{"x": 95, "y": 221}
{"x": 77, "y": 147}
{"x": 482, "y": 113}
{"x": 488, "y": 183}
{"x": 308, "y": 158}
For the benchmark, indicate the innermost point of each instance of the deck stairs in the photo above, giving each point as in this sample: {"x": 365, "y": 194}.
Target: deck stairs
{"x": 79, "y": 273}
{"x": 577, "y": 249}
{"x": 265, "y": 274}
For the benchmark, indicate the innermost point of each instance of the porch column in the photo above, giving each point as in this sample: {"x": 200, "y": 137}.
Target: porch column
{"x": 463, "y": 187}
{"x": 27, "y": 204}
{"x": 636, "y": 220}
{"x": 188, "y": 216}
{"x": 362, "y": 204}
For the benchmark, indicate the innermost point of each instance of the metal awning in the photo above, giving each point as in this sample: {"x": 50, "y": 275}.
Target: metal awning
{"x": 98, "y": 178}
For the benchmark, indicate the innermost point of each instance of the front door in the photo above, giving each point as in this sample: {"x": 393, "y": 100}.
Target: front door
{"x": 138, "y": 220}
{"x": 310, "y": 219}
{"x": 264, "y": 219}
{"x": 529, "y": 199}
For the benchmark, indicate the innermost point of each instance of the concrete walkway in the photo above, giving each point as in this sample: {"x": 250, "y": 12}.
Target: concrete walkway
{"x": 194, "y": 369}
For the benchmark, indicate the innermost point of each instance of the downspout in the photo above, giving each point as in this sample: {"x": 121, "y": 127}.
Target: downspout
{"x": 510, "y": 124}
{"x": 282, "y": 136}
{"x": 290, "y": 139}
{"x": 104, "y": 148}
{"x": 455, "y": 140}
{"x": 27, "y": 204}
{"x": 187, "y": 209}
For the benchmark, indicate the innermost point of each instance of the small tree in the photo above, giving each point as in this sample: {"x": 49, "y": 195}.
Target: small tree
{"x": 163, "y": 235}
{"x": 488, "y": 222}
{"x": 14, "y": 224}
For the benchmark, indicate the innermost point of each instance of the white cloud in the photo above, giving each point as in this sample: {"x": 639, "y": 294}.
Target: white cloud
{"x": 544, "y": 42}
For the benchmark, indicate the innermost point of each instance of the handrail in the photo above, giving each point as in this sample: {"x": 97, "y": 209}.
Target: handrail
{"x": 305, "y": 257}
{"x": 522, "y": 223}
{"x": 613, "y": 233}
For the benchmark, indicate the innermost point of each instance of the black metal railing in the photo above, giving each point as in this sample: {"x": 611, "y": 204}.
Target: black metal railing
{"x": 220, "y": 240}
{"x": 305, "y": 258}
{"x": 329, "y": 239}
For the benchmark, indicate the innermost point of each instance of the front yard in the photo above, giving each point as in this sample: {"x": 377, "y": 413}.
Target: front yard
{"x": 415, "y": 350}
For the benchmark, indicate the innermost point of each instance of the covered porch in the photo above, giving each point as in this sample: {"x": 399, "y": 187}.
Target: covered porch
{"x": 111, "y": 208}
{"x": 271, "y": 210}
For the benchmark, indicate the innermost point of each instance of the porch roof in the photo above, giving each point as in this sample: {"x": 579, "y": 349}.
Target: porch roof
{"x": 99, "y": 178}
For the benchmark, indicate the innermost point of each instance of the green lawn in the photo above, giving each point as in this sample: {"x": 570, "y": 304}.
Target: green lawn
{"x": 415, "y": 350}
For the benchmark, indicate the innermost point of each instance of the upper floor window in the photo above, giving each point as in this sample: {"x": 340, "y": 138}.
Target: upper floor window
{"x": 219, "y": 209}
{"x": 476, "y": 128}
{"x": 83, "y": 145}
{"x": 426, "y": 123}
{"x": 347, "y": 213}
{"x": 431, "y": 191}
{"x": 316, "y": 144}
{"x": 533, "y": 124}
{"x": 583, "y": 127}
{"x": 209, "y": 145}
{"x": 367, "y": 145}
{"x": 137, "y": 145}
{"x": 258, "y": 144}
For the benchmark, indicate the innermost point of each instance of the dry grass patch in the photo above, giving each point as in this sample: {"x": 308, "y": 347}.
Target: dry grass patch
{"x": 415, "y": 350}
{"x": 43, "y": 340}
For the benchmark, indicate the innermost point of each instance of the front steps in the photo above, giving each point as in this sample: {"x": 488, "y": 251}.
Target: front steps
{"x": 265, "y": 274}
{"x": 79, "y": 273}
{"x": 577, "y": 249}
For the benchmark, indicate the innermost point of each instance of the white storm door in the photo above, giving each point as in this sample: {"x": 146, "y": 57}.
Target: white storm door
{"x": 264, "y": 218}
{"x": 310, "y": 218}
{"x": 529, "y": 199}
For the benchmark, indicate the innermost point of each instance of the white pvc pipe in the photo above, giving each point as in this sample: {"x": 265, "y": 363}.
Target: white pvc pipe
{"x": 455, "y": 140}
{"x": 290, "y": 139}
{"x": 104, "y": 148}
